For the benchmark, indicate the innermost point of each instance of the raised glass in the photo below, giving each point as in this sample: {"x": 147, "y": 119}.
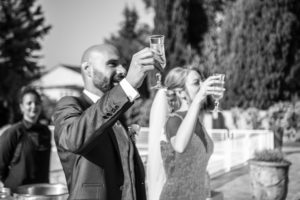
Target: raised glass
{"x": 219, "y": 84}
{"x": 158, "y": 48}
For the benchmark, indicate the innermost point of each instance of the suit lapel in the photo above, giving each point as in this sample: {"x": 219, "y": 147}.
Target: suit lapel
{"x": 86, "y": 102}
{"x": 138, "y": 164}
{"x": 115, "y": 142}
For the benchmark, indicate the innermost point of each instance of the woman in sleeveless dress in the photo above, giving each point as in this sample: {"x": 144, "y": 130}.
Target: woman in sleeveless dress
{"x": 186, "y": 147}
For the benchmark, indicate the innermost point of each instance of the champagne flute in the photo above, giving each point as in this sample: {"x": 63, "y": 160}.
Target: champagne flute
{"x": 217, "y": 97}
{"x": 158, "y": 48}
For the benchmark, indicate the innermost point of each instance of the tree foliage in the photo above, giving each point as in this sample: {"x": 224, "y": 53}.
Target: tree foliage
{"x": 186, "y": 25}
{"x": 131, "y": 38}
{"x": 260, "y": 51}
{"x": 21, "y": 28}
{"x": 183, "y": 22}
{"x": 216, "y": 10}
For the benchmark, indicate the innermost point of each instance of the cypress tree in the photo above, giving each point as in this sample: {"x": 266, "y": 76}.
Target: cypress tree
{"x": 259, "y": 50}
{"x": 22, "y": 26}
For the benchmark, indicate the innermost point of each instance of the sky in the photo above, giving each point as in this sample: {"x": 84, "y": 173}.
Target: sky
{"x": 78, "y": 24}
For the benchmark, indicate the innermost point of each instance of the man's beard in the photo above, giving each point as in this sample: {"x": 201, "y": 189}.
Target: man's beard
{"x": 103, "y": 83}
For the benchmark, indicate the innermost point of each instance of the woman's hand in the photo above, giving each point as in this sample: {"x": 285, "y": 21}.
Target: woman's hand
{"x": 211, "y": 86}
{"x": 1, "y": 184}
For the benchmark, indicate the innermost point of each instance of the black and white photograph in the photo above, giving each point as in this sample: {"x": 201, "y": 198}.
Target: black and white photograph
{"x": 150, "y": 100}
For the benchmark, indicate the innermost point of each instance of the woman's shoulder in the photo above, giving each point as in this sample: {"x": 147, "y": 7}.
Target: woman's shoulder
{"x": 14, "y": 127}
{"x": 173, "y": 123}
{"x": 174, "y": 119}
{"x": 12, "y": 130}
{"x": 177, "y": 114}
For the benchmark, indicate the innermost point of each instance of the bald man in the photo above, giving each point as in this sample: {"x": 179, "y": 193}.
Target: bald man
{"x": 98, "y": 157}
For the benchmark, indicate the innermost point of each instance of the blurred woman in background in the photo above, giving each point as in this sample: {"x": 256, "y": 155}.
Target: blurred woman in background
{"x": 25, "y": 146}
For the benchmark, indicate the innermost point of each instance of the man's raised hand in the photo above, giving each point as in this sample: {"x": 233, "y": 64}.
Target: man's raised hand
{"x": 141, "y": 63}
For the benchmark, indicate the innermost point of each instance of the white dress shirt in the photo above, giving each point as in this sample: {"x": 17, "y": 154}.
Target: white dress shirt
{"x": 131, "y": 93}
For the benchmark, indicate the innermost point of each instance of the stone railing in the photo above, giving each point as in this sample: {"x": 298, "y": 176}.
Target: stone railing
{"x": 232, "y": 149}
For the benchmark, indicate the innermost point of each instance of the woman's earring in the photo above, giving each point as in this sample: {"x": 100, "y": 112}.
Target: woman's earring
{"x": 186, "y": 98}
{"x": 182, "y": 95}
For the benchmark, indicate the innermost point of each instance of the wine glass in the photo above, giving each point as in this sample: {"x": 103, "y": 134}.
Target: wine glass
{"x": 158, "y": 48}
{"x": 219, "y": 84}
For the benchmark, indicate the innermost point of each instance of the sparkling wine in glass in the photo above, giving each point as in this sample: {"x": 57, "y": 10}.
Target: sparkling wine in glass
{"x": 158, "y": 48}
{"x": 219, "y": 84}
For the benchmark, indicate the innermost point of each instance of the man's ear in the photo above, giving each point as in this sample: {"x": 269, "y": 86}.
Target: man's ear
{"x": 86, "y": 68}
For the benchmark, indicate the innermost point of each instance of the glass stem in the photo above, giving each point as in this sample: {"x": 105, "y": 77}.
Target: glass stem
{"x": 216, "y": 105}
{"x": 158, "y": 76}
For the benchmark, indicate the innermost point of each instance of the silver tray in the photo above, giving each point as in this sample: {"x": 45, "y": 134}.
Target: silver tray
{"x": 42, "y": 192}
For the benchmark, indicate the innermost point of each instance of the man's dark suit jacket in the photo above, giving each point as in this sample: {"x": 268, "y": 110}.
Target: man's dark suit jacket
{"x": 88, "y": 148}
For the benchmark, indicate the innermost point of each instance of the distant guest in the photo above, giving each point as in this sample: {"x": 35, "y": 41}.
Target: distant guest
{"x": 25, "y": 146}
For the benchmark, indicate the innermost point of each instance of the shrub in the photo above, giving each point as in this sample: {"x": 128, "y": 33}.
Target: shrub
{"x": 292, "y": 118}
{"x": 284, "y": 117}
{"x": 250, "y": 118}
{"x": 276, "y": 114}
{"x": 269, "y": 155}
{"x": 253, "y": 118}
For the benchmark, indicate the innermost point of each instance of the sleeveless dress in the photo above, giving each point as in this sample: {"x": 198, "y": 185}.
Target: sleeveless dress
{"x": 186, "y": 171}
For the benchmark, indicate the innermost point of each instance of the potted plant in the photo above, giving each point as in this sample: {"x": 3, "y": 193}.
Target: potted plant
{"x": 269, "y": 175}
